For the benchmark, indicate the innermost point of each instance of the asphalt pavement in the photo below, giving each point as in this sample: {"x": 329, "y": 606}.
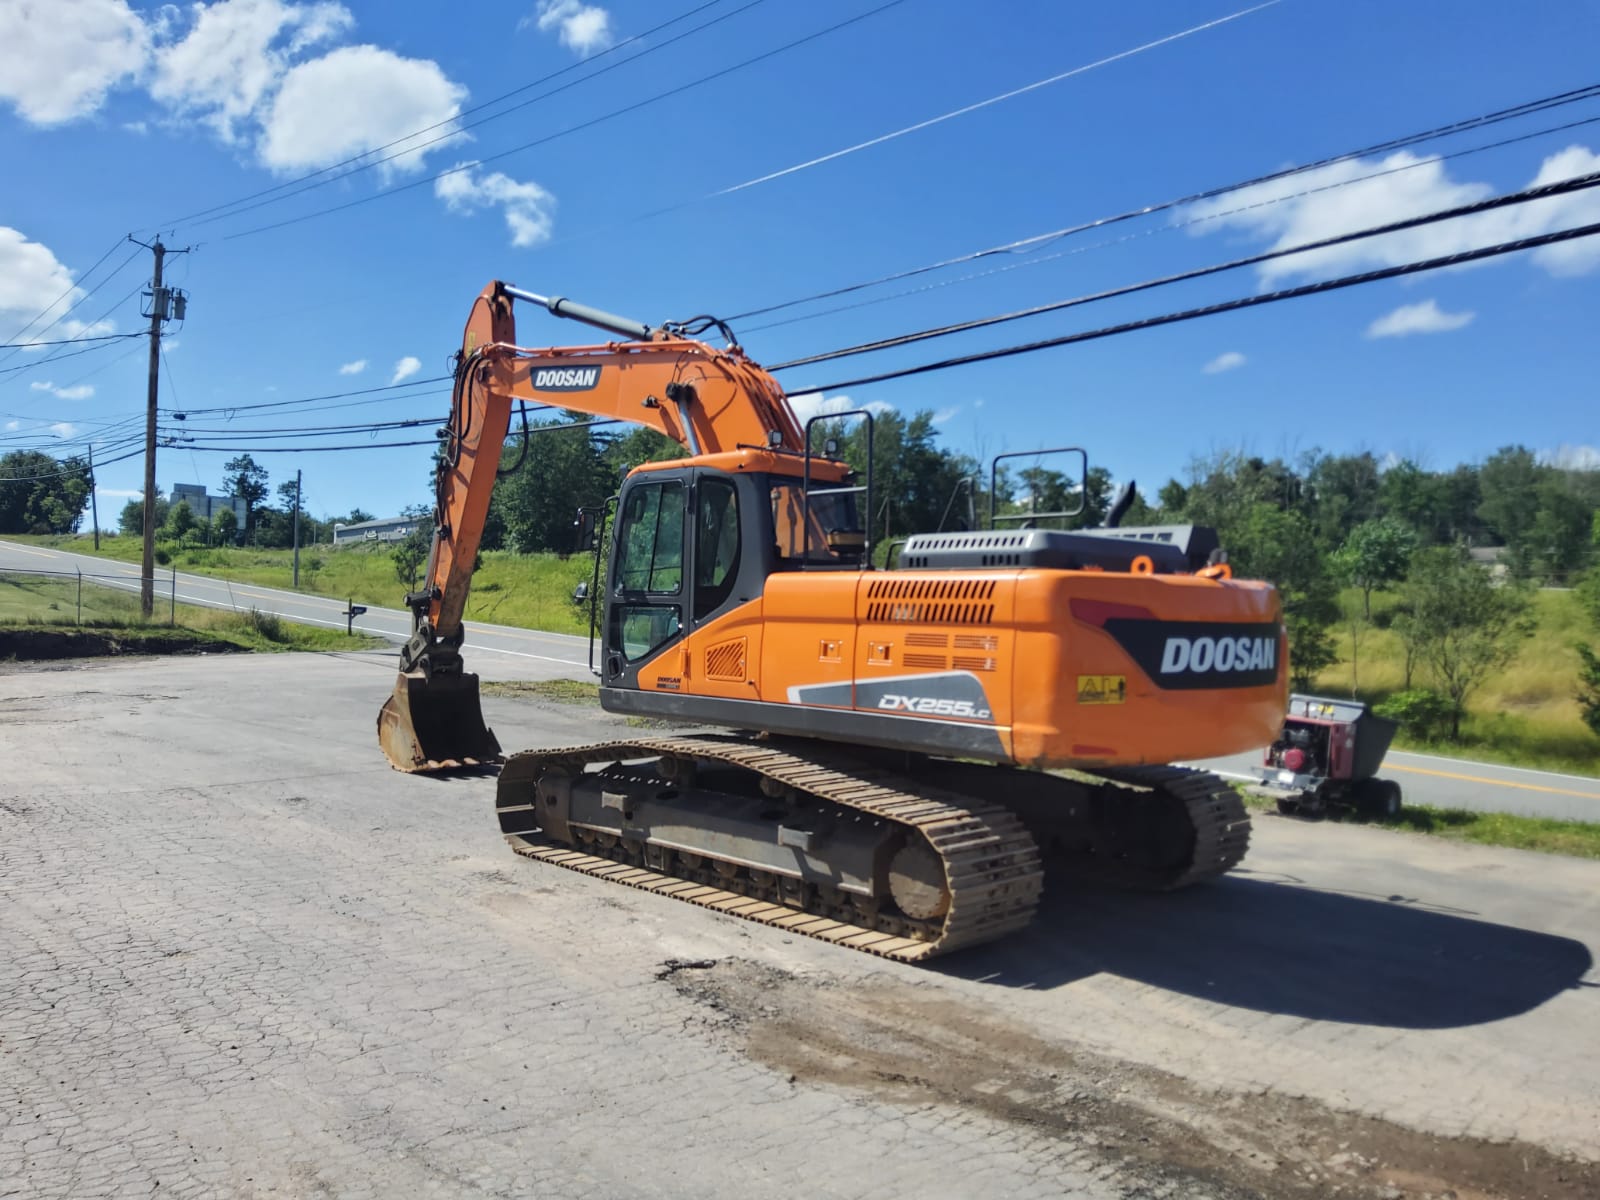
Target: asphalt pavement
{"x": 531, "y": 654}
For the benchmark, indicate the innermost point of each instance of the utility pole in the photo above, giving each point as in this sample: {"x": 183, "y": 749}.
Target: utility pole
{"x": 160, "y": 309}
{"x": 297, "y": 476}
{"x": 94, "y": 504}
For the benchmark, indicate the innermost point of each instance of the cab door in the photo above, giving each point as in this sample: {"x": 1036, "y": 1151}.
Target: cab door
{"x": 647, "y": 591}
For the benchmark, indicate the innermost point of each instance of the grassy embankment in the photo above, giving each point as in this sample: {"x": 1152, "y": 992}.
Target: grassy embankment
{"x": 35, "y": 604}
{"x": 530, "y": 591}
{"x": 1526, "y": 715}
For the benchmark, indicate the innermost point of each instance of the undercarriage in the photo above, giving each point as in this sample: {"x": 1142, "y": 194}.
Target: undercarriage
{"x": 898, "y": 855}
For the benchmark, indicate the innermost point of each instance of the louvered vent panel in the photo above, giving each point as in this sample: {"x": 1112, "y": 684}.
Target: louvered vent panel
{"x": 933, "y": 641}
{"x": 932, "y": 601}
{"x": 932, "y": 662}
{"x": 966, "y": 662}
{"x": 725, "y": 660}
{"x": 977, "y": 641}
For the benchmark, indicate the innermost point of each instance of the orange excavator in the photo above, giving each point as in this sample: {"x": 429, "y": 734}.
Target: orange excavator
{"x": 884, "y": 764}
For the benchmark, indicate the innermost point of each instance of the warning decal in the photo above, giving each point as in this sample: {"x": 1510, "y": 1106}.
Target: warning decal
{"x": 1102, "y": 689}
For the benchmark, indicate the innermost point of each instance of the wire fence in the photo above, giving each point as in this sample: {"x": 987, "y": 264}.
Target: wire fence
{"x": 35, "y": 597}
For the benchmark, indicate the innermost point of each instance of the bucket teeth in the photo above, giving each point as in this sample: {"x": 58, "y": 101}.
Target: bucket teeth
{"x": 435, "y": 723}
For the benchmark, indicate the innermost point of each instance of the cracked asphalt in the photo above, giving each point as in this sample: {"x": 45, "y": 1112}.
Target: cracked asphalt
{"x": 240, "y": 956}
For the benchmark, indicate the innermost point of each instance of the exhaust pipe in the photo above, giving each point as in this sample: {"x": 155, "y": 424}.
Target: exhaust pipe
{"x": 435, "y": 724}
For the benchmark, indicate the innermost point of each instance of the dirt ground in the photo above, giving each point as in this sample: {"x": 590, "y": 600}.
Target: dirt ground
{"x": 910, "y": 1046}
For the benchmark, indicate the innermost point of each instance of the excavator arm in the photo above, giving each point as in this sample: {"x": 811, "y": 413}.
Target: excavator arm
{"x": 708, "y": 400}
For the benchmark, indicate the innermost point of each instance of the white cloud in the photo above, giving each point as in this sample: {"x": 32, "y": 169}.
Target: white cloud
{"x": 138, "y": 127}
{"x": 1425, "y": 317}
{"x": 529, "y": 209}
{"x": 1573, "y": 458}
{"x": 406, "y": 368}
{"x": 946, "y": 414}
{"x": 169, "y": 345}
{"x": 80, "y": 391}
{"x": 1231, "y": 360}
{"x": 354, "y": 368}
{"x": 1325, "y": 203}
{"x": 57, "y": 61}
{"x": 34, "y": 281}
{"x": 582, "y": 28}
{"x": 119, "y": 493}
{"x": 63, "y": 429}
{"x": 13, "y": 426}
{"x": 379, "y": 98}
{"x": 234, "y": 55}
{"x": 814, "y": 404}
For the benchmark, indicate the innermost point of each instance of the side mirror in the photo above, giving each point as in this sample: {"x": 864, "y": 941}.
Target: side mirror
{"x": 585, "y": 525}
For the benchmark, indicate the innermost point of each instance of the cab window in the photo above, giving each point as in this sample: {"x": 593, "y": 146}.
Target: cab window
{"x": 651, "y": 539}
{"x": 716, "y": 544}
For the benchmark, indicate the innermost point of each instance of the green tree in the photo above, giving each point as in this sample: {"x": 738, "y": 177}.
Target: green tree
{"x": 1559, "y": 540}
{"x": 410, "y": 553}
{"x": 1280, "y": 547}
{"x": 1465, "y": 627}
{"x": 1375, "y": 555}
{"x": 537, "y": 502}
{"x": 180, "y": 522}
{"x": 41, "y": 494}
{"x": 1343, "y": 491}
{"x": 1589, "y": 686}
{"x": 246, "y": 479}
{"x": 357, "y": 515}
{"x": 131, "y": 520}
{"x": 225, "y": 527}
{"x": 1510, "y": 504}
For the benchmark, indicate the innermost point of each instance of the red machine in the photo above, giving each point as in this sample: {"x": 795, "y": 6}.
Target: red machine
{"x": 1328, "y": 754}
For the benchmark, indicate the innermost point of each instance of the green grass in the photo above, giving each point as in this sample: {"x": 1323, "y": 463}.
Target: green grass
{"x": 31, "y": 602}
{"x": 562, "y": 691}
{"x": 1525, "y": 716}
{"x": 1577, "y": 839}
{"x": 532, "y": 591}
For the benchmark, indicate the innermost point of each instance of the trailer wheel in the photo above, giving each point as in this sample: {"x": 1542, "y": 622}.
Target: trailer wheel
{"x": 1389, "y": 798}
{"x": 1380, "y": 798}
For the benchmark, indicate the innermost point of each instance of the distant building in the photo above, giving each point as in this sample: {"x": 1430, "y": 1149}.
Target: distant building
{"x": 387, "y": 529}
{"x": 203, "y": 504}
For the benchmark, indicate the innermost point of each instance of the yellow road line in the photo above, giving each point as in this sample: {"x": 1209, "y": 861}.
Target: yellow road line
{"x": 1527, "y": 787}
{"x": 25, "y": 550}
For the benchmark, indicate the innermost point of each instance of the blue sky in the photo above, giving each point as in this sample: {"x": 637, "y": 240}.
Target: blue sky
{"x": 119, "y": 117}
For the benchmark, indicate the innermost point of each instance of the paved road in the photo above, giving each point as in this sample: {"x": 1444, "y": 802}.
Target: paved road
{"x": 240, "y": 956}
{"x": 544, "y": 655}
{"x": 512, "y": 653}
{"x": 1476, "y": 786}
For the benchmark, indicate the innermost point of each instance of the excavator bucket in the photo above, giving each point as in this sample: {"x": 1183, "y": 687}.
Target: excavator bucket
{"x": 435, "y": 724}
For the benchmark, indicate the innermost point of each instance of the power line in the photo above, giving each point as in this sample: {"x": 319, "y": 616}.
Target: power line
{"x": 77, "y": 283}
{"x": 1173, "y": 226}
{"x": 233, "y": 408}
{"x": 1310, "y": 289}
{"x": 302, "y": 449}
{"x": 1565, "y": 187}
{"x": 698, "y": 81}
{"x": 77, "y": 341}
{"x": 362, "y": 162}
{"x": 1526, "y": 108}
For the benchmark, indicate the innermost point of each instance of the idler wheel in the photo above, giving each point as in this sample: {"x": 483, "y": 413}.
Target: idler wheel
{"x": 917, "y": 883}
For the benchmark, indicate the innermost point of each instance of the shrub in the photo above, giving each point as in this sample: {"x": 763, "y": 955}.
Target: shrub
{"x": 268, "y": 625}
{"x": 1422, "y": 712}
{"x": 1589, "y": 686}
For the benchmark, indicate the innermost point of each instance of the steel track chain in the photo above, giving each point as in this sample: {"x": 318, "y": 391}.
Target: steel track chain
{"x": 992, "y": 865}
{"x": 1217, "y": 814}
